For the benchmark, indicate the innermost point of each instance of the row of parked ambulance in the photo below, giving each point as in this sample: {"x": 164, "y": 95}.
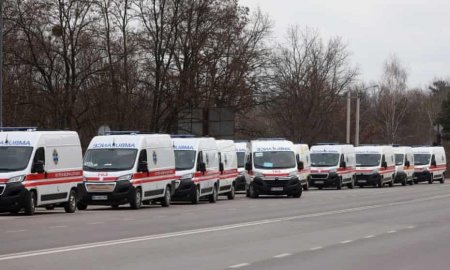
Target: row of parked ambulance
{"x": 47, "y": 169}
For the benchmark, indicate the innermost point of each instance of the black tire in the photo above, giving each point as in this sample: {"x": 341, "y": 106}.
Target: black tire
{"x": 380, "y": 183}
{"x": 298, "y": 194}
{"x": 405, "y": 180}
{"x": 253, "y": 193}
{"x": 320, "y": 188}
{"x": 351, "y": 185}
{"x": 50, "y": 207}
{"x": 136, "y": 199}
{"x": 306, "y": 186}
{"x": 360, "y": 186}
{"x": 232, "y": 193}
{"x": 167, "y": 199}
{"x": 339, "y": 185}
{"x": 411, "y": 182}
{"x": 71, "y": 205}
{"x": 195, "y": 197}
{"x": 82, "y": 206}
{"x": 391, "y": 183}
{"x": 415, "y": 182}
{"x": 30, "y": 203}
{"x": 213, "y": 197}
{"x": 442, "y": 181}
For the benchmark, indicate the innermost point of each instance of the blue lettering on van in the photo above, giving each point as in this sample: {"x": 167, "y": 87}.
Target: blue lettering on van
{"x": 265, "y": 149}
{"x": 184, "y": 147}
{"x": 15, "y": 143}
{"x": 115, "y": 145}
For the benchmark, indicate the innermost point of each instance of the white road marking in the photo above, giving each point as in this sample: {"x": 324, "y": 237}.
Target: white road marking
{"x": 96, "y": 223}
{"x": 15, "y": 231}
{"x": 279, "y": 256}
{"x": 393, "y": 231}
{"x": 58, "y": 226}
{"x": 35, "y": 253}
{"x": 346, "y": 241}
{"x": 369, "y": 236}
{"x": 239, "y": 265}
{"x": 411, "y": 227}
{"x": 315, "y": 248}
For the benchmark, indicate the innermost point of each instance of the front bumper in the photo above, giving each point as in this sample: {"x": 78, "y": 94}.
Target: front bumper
{"x": 185, "y": 190}
{"x": 424, "y": 176}
{"x": 324, "y": 180}
{"x": 240, "y": 183}
{"x": 13, "y": 197}
{"x": 121, "y": 194}
{"x": 367, "y": 179}
{"x": 277, "y": 187}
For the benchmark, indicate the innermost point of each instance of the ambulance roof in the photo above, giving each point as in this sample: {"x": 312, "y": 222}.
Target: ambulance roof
{"x": 33, "y": 138}
{"x": 194, "y": 143}
{"x": 226, "y": 145}
{"x": 332, "y": 148}
{"x": 271, "y": 145}
{"x": 131, "y": 141}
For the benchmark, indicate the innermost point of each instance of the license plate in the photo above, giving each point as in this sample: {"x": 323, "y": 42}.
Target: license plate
{"x": 99, "y": 198}
{"x": 276, "y": 189}
{"x": 319, "y": 182}
{"x": 362, "y": 181}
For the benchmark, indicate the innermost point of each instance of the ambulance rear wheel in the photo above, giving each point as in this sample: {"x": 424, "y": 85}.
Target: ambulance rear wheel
{"x": 136, "y": 199}
{"x": 71, "y": 205}
{"x": 405, "y": 180}
{"x": 351, "y": 185}
{"x": 166, "y": 200}
{"x": 82, "y": 206}
{"x": 253, "y": 193}
{"x": 30, "y": 203}
{"x": 306, "y": 186}
{"x": 442, "y": 181}
{"x": 232, "y": 193}
{"x": 213, "y": 196}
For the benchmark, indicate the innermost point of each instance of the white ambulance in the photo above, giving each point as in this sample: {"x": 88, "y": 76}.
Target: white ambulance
{"x": 128, "y": 168}
{"x": 228, "y": 168}
{"x": 375, "y": 165}
{"x": 197, "y": 165}
{"x": 404, "y": 165}
{"x": 302, "y": 156}
{"x": 430, "y": 164}
{"x": 241, "y": 150}
{"x": 332, "y": 165}
{"x": 39, "y": 169}
{"x": 271, "y": 168}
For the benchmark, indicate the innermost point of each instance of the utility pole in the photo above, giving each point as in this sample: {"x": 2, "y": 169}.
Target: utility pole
{"x": 358, "y": 105}
{"x": 1, "y": 63}
{"x": 349, "y": 102}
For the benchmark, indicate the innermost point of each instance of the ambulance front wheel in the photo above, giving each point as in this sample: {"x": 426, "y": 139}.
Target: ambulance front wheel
{"x": 232, "y": 193}
{"x": 136, "y": 199}
{"x": 195, "y": 197}
{"x": 166, "y": 200}
{"x": 30, "y": 203}
{"x": 214, "y": 195}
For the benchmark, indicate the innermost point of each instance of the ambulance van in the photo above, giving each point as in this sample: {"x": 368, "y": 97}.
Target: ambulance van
{"x": 303, "y": 158}
{"x": 228, "y": 168}
{"x": 197, "y": 166}
{"x": 332, "y": 165}
{"x": 241, "y": 149}
{"x": 39, "y": 169}
{"x": 271, "y": 168}
{"x": 375, "y": 165}
{"x": 404, "y": 165}
{"x": 430, "y": 164}
{"x": 128, "y": 168}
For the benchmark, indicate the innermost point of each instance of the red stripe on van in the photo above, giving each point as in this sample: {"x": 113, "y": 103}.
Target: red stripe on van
{"x": 54, "y": 182}
{"x": 53, "y": 175}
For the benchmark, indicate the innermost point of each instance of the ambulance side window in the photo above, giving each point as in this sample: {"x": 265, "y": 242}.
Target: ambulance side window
{"x": 39, "y": 156}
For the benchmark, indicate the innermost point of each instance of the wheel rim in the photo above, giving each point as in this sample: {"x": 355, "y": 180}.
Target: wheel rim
{"x": 72, "y": 201}
{"x": 167, "y": 196}
{"x": 138, "y": 197}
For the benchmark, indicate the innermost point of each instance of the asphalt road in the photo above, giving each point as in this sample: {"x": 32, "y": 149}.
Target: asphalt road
{"x": 391, "y": 228}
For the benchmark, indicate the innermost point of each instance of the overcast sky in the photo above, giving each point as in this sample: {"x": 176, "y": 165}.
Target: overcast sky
{"x": 417, "y": 31}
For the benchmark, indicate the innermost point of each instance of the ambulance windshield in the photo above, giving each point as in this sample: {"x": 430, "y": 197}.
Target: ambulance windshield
{"x": 399, "y": 159}
{"x": 274, "y": 160}
{"x": 368, "y": 160}
{"x": 422, "y": 159}
{"x": 241, "y": 159}
{"x": 324, "y": 159}
{"x": 184, "y": 159}
{"x": 109, "y": 159}
{"x": 14, "y": 158}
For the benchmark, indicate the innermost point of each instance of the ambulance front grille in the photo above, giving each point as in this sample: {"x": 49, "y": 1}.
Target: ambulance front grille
{"x": 100, "y": 187}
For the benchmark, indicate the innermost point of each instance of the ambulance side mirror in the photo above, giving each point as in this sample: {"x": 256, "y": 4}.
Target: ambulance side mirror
{"x": 343, "y": 164}
{"x": 38, "y": 167}
{"x": 143, "y": 167}
{"x": 433, "y": 163}
{"x": 201, "y": 167}
{"x": 248, "y": 166}
{"x": 384, "y": 164}
{"x": 300, "y": 166}
{"x": 221, "y": 168}
{"x": 407, "y": 163}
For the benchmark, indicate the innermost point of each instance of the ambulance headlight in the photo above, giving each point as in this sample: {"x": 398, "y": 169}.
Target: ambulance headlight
{"x": 126, "y": 177}
{"x": 16, "y": 179}
{"x": 186, "y": 176}
{"x": 242, "y": 173}
{"x": 374, "y": 171}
